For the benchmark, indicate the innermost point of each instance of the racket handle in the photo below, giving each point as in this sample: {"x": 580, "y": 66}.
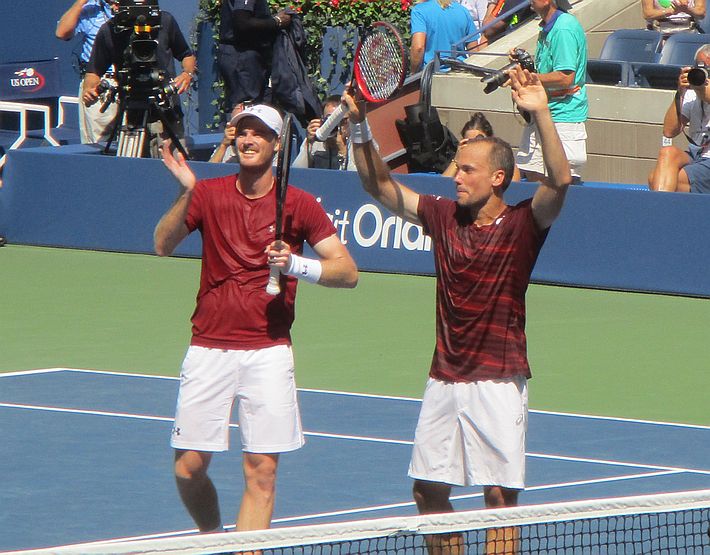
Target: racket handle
{"x": 273, "y": 287}
{"x": 332, "y": 122}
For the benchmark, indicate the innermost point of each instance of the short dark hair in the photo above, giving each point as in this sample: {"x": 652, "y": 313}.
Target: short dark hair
{"x": 478, "y": 122}
{"x": 332, "y": 99}
{"x": 500, "y": 157}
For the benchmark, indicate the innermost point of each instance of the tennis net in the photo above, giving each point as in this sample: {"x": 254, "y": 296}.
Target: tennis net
{"x": 674, "y": 523}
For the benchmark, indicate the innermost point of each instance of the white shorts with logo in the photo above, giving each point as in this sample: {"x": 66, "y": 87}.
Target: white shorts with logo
{"x": 574, "y": 141}
{"x": 262, "y": 383}
{"x": 472, "y": 433}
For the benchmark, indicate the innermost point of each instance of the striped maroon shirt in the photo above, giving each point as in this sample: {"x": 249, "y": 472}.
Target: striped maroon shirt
{"x": 482, "y": 275}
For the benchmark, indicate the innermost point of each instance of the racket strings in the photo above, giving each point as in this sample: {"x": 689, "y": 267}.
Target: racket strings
{"x": 381, "y": 64}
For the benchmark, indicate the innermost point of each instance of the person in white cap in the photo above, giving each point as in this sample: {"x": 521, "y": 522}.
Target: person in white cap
{"x": 241, "y": 343}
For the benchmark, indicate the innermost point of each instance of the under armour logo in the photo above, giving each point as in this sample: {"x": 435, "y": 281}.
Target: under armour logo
{"x": 176, "y": 431}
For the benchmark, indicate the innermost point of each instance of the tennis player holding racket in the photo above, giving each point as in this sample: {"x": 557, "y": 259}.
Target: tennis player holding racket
{"x": 241, "y": 343}
{"x": 473, "y": 419}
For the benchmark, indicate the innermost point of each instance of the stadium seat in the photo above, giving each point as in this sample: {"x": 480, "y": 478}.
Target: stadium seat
{"x": 704, "y": 23}
{"x": 609, "y": 72}
{"x": 631, "y": 45}
{"x": 678, "y": 51}
{"x": 680, "y": 48}
{"x": 613, "y": 67}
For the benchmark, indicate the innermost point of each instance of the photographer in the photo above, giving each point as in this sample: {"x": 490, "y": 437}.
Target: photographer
{"x": 85, "y": 18}
{"x": 561, "y": 60}
{"x": 110, "y": 47}
{"x": 335, "y": 153}
{"x": 687, "y": 171}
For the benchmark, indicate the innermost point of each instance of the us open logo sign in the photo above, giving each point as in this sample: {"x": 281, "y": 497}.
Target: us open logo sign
{"x": 28, "y": 80}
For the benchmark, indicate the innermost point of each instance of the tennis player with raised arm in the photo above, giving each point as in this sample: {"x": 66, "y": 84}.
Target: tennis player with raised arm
{"x": 473, "y": 419}
{"x": 241, "y": 343}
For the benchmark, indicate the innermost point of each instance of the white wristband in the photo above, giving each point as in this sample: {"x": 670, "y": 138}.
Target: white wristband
{"x": 303, "y": 268}
{"x": 667, "y": 141}
{"x": 360, "y": 132}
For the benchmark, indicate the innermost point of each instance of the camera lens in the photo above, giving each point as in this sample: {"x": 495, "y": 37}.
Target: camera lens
{"x": 697, "y": 76}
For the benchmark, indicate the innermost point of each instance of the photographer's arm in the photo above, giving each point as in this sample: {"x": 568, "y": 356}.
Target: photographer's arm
{"x": 674, "y": 121}
{"x": 557, "y": 79}
{"x": 189, "y": 66}
{"x": 68, "y": 22}
{"x": 89, "y": 93}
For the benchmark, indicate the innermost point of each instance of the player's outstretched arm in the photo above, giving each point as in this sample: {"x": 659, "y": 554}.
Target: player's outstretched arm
{"x": 374, "y": 173}
{"x": 171, "y": 228}
{"x": 529, "y": 94}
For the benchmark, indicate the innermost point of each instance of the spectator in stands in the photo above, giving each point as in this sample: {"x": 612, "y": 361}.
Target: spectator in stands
{"x": 335, "y": 153}
{"x": 673, "y": 16}
{"x": 226, "y": 151}
{"x": 246, "y": 36}
{"x": 437, "y": 25}
{"x": 109, "y": 47}
{"x": 498, "y": 7}
{"x": 561, "y": 64}
{"x": 84, "y": 18}
{"x": 475, "y": 128}
{"x": 477, "y": 9}
{"x": 687, "y": 171}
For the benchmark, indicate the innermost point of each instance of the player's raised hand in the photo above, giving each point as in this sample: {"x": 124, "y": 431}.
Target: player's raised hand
{"x": 178, "y": 166}
{"x": 528, "y": 92}
{"x": 354, "y": 104}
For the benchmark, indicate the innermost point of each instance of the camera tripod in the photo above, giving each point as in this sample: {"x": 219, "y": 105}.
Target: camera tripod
{"x": 132, "y": 123}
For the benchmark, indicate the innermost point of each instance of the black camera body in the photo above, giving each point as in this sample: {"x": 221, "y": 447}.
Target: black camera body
{"x": 698, "y": 75}
{"x": 141, "y": 81}
{"x": 495, "y": 80}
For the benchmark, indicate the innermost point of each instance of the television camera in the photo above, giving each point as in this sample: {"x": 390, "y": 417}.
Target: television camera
{"x": 144, "y": 91}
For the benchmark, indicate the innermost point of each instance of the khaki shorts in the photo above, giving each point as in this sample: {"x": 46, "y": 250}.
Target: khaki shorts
{"x": 574, "y": 141}
{"x": 472, "y": 433}
{"x": 261, "y": 381}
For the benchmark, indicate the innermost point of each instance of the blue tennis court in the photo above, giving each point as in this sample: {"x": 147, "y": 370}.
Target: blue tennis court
{"x": 87, "y": 458}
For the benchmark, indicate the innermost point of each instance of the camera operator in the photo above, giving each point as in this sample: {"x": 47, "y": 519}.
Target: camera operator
{"x": 84, "y": 18}
{"x": 561, "y": 60}
{"x": 335, "y": 153}
{"x": 246, "y": 35}
{"x": 687, "y": 171}
{"x": 110, "y": 45}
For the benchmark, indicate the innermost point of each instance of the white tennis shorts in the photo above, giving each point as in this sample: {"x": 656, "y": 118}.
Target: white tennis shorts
{"x": 262, "y": 383}
{"x": 472, "y": 433}
{"x": 574, "y": 141}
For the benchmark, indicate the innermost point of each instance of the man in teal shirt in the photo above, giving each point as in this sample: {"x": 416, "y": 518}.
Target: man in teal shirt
{"x": 561, "y": 62}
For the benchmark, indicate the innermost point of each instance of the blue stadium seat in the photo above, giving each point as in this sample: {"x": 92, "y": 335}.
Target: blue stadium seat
{"x": 678, "y": 51}
{"x": 632, "y": 45}
{"x": 704, "y": 23}
{"x": 613, "y": 67}
{"x": 609, "y": 72}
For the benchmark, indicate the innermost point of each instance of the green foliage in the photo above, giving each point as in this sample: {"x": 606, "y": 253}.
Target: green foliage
{"x": 319, "y": 14}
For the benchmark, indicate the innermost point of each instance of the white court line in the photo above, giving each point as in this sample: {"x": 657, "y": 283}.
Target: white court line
{"x": 367, "y": 439}
{"x": 386, "y": 397}
{"x": 31, "y": 372}
{"x": 390, "y": 506}
{"x": 88, "y": 412}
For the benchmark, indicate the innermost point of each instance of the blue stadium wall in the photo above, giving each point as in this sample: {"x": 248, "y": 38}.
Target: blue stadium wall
{"x": 606, "y": 237}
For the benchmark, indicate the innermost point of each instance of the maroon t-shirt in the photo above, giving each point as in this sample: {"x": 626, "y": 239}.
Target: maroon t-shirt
{"x": 482, "y": 275}
{"x": 233, "y": 309}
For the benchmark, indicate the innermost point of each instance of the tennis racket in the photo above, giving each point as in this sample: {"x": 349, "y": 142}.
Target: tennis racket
{"x": 379, "y": 67}
{"x": 282, "y": 170}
